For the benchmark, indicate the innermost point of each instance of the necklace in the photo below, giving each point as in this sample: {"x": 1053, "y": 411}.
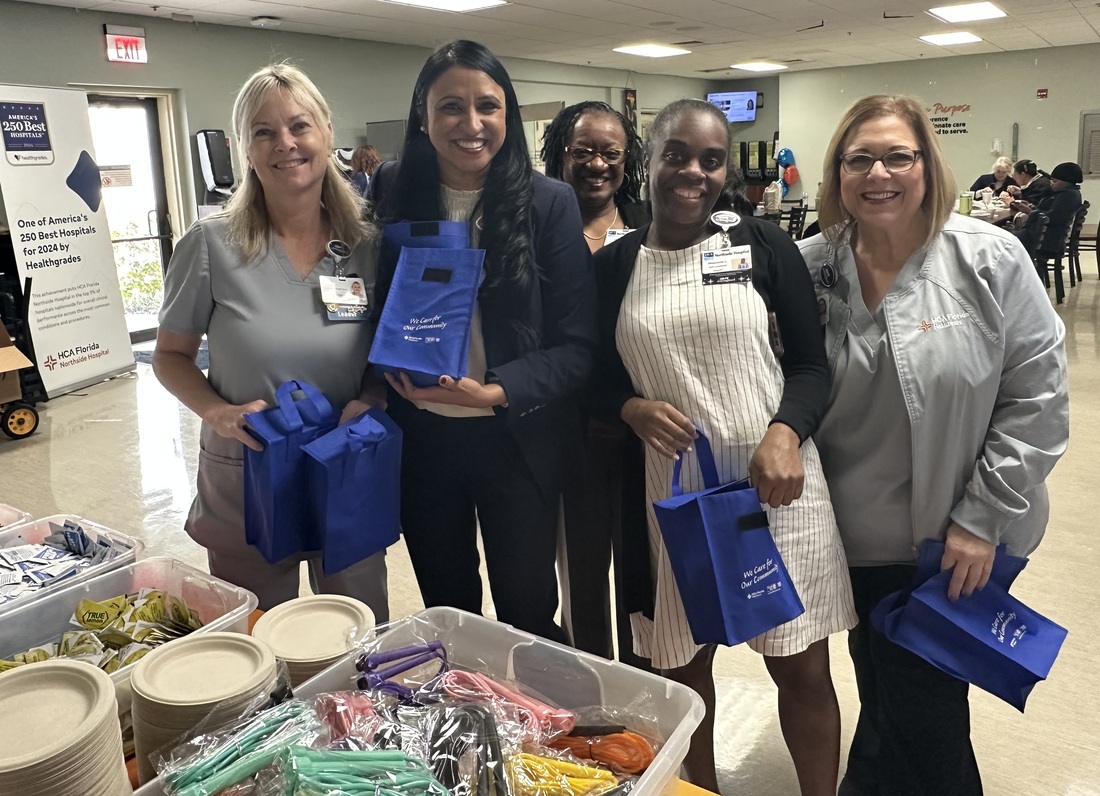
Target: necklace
{"x": 609, "y": 226}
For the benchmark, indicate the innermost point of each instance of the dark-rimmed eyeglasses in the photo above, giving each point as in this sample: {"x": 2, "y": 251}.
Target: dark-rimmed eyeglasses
{"x": 580, "y": 154}
{"x": 895, "y": 162}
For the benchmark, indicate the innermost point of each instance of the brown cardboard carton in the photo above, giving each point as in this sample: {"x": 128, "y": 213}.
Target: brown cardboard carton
{"x": 11, "y": 361}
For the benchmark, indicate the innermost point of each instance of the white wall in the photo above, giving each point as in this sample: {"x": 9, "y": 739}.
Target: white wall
{"x": 999, "y": 88}
{"x": 206, "y": 64}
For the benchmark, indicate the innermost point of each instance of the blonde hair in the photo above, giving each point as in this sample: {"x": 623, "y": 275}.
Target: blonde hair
{"x": 1004, "y": 164}
{"x": 249, "y": 224}
{"x": 939, "y": 195}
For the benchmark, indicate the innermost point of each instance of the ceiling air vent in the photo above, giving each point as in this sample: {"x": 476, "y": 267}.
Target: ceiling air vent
{"x": 688, "y": 43}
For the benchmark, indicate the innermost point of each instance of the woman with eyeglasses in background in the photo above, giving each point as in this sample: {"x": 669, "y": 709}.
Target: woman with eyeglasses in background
{"x": 948, "y": 409}
{"x": 596, "y": 150}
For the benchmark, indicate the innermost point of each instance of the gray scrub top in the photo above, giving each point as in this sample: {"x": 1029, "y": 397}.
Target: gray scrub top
{"x": 264, "y": 323}
{"x": 865, "y": 438}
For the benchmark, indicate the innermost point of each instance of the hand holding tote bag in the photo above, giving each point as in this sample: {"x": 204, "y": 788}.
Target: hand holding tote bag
{"x": 276, "y": 511}
{"x": 989, "y": 639}
{"x": 732, "y": 581}
{"x": 424, "y": 330}
{"x": 355, "y": 488}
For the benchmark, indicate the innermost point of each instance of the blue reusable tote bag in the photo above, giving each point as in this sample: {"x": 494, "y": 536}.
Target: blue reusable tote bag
{"x": 424, "y": 329}
{"x": 989, "y": 639}
{"x": 885, "y": 615}
{"x": 355, "y": 488}
{"x": 276, "y": 503}
{"x": 731, "y": 578}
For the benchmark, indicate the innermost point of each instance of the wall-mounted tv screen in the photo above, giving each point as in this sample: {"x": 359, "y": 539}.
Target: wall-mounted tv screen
{"x": 739, "y": 106}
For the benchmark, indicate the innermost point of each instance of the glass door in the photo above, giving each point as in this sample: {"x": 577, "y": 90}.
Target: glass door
{"x": 126, "y": 136}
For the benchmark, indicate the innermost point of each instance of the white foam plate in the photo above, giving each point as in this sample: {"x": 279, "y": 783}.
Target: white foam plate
{"x": 317, "y": 628}
{"x": 203, "y": 669}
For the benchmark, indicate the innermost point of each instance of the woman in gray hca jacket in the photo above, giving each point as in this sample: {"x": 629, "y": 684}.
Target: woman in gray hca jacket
{"x": 948, "y": 410}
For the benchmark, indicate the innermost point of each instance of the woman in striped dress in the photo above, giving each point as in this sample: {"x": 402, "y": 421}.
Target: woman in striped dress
{"x": 681, "y": 350}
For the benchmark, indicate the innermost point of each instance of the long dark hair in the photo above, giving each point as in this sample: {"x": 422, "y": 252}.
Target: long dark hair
{"x": 559, "y": 133}
{"x": 507, "y": 234}
{"x": 733, "y": 195}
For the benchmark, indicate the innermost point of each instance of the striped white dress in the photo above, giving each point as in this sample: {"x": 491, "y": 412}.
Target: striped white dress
{"x": 704, "y": 349}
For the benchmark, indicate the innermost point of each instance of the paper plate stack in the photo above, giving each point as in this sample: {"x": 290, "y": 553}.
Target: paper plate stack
{"x": 312, "y": 633}
{"x": 61, "y": 732}
{"x": 213, "y": 677}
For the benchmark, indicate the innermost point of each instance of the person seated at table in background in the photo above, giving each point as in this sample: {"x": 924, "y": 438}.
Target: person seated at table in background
{"x": 1060, "y": 205}
{"x": 946, "y": 435}
{"x": 249, "y": 279}
{"x": 596, "y": 150}
{"x": 1032, "y": 184}
{"x": 998, "y": 181}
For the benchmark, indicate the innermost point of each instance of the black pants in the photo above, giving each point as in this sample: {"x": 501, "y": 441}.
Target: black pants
{"x": 455, "y": 474}
{"x": 913, "y": 734}
{"x": 593, "y": 533}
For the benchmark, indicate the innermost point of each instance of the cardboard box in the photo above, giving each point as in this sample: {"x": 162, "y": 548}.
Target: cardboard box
{"x": 12, "y": 361}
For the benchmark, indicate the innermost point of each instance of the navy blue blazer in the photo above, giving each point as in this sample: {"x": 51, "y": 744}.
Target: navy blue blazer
{"x": 543, "y": 382}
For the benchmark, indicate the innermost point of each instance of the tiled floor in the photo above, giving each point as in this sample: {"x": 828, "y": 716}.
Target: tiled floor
{"x": 122, "y": 453}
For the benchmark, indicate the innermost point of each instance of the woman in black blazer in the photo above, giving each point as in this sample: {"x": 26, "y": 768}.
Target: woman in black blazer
{"x": 999, "y": 180}
{"x": 490, "y": 449}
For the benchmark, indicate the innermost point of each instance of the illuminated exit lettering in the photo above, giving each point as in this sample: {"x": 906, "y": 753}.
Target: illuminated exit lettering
{"x": 126, "y": 45}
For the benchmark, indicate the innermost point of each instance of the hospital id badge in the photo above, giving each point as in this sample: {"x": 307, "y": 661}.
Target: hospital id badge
{"x": 614, "y": 234}
{"x": 346, "y": 298}
{"x": 725, "y": 265}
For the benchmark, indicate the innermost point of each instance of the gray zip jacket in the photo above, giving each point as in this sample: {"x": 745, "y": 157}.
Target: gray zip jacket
{"x": 981, "y": 358}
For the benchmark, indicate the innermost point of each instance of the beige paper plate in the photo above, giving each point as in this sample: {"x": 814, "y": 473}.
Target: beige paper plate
{"x": 203, "y": 669}
{"x": 317, "y": 628}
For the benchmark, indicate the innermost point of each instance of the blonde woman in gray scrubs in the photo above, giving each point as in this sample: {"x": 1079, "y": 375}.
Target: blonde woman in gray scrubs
{"x": 249, "y": 280}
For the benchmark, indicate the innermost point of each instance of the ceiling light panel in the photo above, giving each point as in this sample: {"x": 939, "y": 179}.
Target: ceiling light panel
{"x": 652, "y": 50}
{"x": 454, "y": 6}
{"x": 758, "y": 66}
{"x": 947, "y": 39}
{"x": 968, "y": 12}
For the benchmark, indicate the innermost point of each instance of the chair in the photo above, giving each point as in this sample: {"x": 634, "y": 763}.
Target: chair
{"x": 1073, "y": 246}
{"x": 1052, "y": 261}
{"x": 796, "y": 220}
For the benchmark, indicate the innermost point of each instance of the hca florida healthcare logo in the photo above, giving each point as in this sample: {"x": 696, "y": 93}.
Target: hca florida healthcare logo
{"x": 74, "y": 356}
{"x": 942, "y": 321}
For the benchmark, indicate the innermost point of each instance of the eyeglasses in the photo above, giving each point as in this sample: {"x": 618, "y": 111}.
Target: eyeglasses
{"x": 895, "y": 162}
{"x": 580, "y": 154}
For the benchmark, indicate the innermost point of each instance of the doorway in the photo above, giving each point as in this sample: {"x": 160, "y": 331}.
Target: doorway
{"x": 127, "y": 139}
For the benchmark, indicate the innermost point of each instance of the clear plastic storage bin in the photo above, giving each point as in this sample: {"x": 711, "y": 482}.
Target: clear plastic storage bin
{"x": 36, "y": 531}
{"x": 221, "y": 606}
{"x": 563, "y": 675}
{"x": 10, "y": 515}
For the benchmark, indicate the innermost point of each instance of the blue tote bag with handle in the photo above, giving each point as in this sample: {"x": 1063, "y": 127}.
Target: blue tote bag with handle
{"x": 989, "y": 639}
{"x": 355, "y": 488}
{"x": 731, "y": 578}
{"x": 424, "y": 329}
{"x": 276, "y": 503}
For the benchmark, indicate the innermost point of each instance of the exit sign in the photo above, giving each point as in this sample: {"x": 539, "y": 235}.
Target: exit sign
{"x": 126, "y": 45}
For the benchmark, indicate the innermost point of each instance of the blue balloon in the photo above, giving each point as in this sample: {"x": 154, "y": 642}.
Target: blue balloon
{"x": 785, "y": 157}
{"x": 784, "y": 187}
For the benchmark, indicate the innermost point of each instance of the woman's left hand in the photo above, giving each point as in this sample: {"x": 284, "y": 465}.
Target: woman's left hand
{"x": 776, "y": 467}
{"x": 972, "y": 559}
{"x": 461, "y": 392}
